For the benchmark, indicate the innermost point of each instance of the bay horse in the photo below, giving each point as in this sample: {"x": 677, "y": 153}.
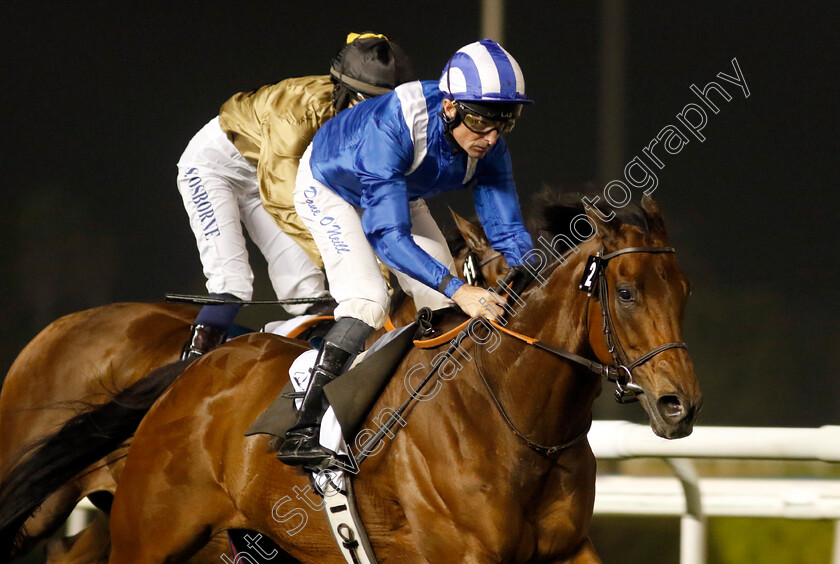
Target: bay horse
{"x": 466, "y": 478}
{"x": 83, "y": 359}
{"x": 79, "y": 360}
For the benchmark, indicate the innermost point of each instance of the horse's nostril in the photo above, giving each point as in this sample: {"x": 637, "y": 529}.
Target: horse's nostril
{"x": 670, "y": 408}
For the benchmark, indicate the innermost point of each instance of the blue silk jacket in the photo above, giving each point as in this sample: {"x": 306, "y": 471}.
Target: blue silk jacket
{"x": 390, "y": 150}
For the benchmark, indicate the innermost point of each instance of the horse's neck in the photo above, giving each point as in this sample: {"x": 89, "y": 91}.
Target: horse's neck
{"x": 554, "y": 309}
{"x": 532, "y": 380}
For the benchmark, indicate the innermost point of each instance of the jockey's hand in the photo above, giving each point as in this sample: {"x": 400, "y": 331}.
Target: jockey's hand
{"x": 478, "y": 301}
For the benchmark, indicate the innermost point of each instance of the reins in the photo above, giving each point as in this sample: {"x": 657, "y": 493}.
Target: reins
{"x": 548, "y": 451}
{"x": 620, "y": 372}
{"x": 457, "y": 335}
{"x": 386, "y": 426}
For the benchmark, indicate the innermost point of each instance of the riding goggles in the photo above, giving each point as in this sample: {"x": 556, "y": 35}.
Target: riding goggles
{"x": 483, "y": 125}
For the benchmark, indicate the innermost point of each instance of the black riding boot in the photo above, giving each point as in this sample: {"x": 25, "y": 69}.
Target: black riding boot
{"x": 341, "y": 343}
{"x": 203, "y": 339}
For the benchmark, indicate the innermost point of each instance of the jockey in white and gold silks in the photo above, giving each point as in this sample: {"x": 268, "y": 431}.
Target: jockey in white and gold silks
{"x": 240, "y": 169}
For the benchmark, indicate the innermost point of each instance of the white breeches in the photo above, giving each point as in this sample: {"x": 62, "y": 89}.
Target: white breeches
{"x": 220, "y": 192}
{"x": 355, "y": 280}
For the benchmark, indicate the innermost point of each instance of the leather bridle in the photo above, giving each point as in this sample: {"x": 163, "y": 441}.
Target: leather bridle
{"x": 620, "y": 372}
{"x": 626, "y": 390}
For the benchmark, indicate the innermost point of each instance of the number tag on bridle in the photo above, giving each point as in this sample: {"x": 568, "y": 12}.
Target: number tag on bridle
{"x": 472, "y": 271}
{"x": 590, "y": 274}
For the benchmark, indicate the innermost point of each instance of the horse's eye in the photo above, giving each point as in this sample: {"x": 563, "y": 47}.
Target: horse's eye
{"x": 625, "y": 295}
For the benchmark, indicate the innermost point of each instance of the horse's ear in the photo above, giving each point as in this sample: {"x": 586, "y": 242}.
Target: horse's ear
{"x": 654, "y": 217}
{"x": 473, "y": 234}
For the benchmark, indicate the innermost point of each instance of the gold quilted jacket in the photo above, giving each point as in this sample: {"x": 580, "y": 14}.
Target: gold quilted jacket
{"x": 272, "y": 127}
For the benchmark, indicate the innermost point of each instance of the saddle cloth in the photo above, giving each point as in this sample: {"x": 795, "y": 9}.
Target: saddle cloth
{"x": 351, "y": 396}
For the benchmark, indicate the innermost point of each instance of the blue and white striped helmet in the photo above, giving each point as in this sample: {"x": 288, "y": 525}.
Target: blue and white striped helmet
{"x": 483, "y": 72}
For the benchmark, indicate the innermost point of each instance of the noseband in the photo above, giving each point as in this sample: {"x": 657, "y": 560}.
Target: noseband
{"x": 621, "y": 371}
{"x": 594, "y": 281}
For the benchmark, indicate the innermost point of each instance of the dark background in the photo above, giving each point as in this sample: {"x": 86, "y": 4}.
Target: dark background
{"x": 100, "y": 100}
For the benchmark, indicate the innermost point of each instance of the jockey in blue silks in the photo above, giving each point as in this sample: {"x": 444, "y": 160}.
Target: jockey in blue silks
{"x": 360, "y": 189}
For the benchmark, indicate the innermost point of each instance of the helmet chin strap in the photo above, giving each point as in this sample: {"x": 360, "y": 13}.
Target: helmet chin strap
{"x": 341, "y": 96}
{"x": 450, "y": 123}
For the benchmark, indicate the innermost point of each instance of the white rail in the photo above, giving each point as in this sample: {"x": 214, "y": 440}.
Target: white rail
{"x": 694, "y": 499}
{"x": 793, "y": 498}
{"x": 79, "y": 518}
{"x": 620, "y": 439}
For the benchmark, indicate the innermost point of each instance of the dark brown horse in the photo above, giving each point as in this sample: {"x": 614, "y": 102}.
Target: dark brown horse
{"x": 84, "y": 358}
{"x": 456, "y": 484}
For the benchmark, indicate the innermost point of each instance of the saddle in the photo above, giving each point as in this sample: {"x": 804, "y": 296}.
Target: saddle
{"x": 354, "y": 393}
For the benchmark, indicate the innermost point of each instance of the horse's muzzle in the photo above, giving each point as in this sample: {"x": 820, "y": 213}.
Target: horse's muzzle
{"x": 676, "y": 416}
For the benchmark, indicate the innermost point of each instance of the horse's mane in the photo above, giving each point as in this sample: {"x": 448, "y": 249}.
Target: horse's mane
{"x": 454, "y": 240}
{"x": 550, "y": 211}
